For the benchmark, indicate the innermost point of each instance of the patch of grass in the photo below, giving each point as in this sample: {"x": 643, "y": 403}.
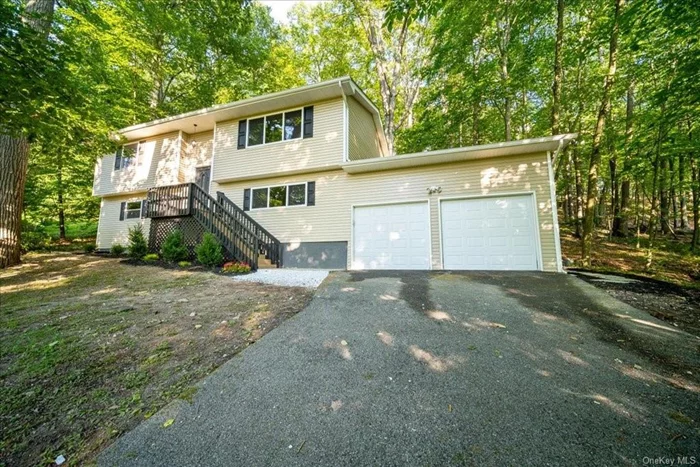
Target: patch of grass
{"x": 92, "y": 345}
{"x": 74, "y": 230}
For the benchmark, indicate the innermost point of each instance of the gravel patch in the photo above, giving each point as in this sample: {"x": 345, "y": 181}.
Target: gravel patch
{"x": 308, "y": 278}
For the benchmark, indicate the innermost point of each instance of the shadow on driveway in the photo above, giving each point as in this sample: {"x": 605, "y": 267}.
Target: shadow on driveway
{"x": 440, "y": 368}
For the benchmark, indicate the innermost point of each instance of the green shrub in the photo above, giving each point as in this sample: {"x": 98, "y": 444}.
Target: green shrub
{"x": 34, "y": 237}
{"x": 117, "y": 249}
{"x": 137, "y": 242}
{"x": 150, "y": 257}
{"x": 234, "y": 267}
{"x": 209, "y": 252}
{"x": 174, "y": 249}
{"x": 184, "y": 264}
{"x": 89, "y": 248}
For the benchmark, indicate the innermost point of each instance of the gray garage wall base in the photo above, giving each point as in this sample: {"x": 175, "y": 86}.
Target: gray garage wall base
{"x": 320, "y": 255}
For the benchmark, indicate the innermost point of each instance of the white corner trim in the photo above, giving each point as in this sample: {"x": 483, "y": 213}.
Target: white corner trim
{"x": 213, "y": 154}
{"x": 179, "y": 154}
{"x": 346, "y": 128}
{"x": 553, "y": 201}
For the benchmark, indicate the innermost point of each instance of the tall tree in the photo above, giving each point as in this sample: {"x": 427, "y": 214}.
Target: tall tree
{"x": 558, "y": 68}
{"x": 592, "y": 194}
{"x": 31, "y": 33}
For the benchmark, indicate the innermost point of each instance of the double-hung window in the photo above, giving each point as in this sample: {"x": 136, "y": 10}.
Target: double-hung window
{"x": 278, "y": 196}
{"x": 283, "y": 126}
{"x": 132, "y": 210}
{"x": 128, "y": 155}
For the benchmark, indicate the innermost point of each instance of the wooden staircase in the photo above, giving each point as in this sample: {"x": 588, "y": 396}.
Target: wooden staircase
{"x": 243, "y": 238}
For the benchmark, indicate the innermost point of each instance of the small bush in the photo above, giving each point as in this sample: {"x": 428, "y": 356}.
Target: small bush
{"x": 184, "y": 264}
{"x": 234, "y": 267}
{"x": 209, "y": 251}
{"x": 117, "y": 249}
{"x": 174, "y": 249}
{"x": 137, "y": 242}
{"x": 150, "y": 257}
{"x": 34, "y": 237}
{"x": 89, "y": 248}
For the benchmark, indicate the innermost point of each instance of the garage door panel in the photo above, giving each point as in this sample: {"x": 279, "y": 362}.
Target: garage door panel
{"x": 489, "y": 233}
{"x": 397, "y": 237}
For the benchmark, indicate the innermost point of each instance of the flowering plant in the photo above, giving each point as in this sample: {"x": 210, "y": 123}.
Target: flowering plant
{"x": 235, "y": 267}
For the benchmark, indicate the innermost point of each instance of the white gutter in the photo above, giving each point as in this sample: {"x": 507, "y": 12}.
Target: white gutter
{"x": 443, "y": 156}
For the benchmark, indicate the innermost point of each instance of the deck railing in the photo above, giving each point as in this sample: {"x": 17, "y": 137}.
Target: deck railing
{"x": 269, "y": 245}
{"x": 189, "y": 199}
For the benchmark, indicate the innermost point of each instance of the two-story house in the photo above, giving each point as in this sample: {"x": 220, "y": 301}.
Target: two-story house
{"x": 303, "y": 177}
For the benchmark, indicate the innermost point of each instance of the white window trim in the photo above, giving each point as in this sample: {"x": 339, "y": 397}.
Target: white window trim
{"x": 264, "y": 117}
{"x": 136, "y": 157}
{"x": 287, "y": 185}
{"x": 126, "y": 209}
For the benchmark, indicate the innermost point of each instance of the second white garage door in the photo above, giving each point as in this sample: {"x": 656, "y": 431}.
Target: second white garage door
{"x": 490, "y": 233}
{"x": 391, "y": 236}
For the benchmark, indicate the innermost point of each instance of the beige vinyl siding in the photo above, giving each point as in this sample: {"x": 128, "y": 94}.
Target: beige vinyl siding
{"x": 110, "y": 229}
{"x": 196, "y": 152}
{"x": 157, "y": 166}
{"x": 337, "y": 192}
{"x": 363, "y": 140}
{"x": 324, "y": 149}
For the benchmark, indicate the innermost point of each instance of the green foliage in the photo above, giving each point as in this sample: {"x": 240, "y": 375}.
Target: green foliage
{"x": 138, "y": 246}
{"x": 209, "y": 251}
{"x": 235, "y": 267}
{"x": 89, "y": 248}
{"x": 34, "y": 237}
{"x": 174, "y": 249}
{"x": 150, "y": 257}
{"x": 184, "y": 264}
{"x": 117, "y": 249}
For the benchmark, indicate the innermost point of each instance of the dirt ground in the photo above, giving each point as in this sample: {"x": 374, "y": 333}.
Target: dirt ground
{"x": 667, "y": 277}
{"x": 679, "y": 306}
{"x": 92, "y": 345}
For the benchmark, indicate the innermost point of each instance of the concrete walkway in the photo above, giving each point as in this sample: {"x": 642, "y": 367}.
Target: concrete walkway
{"x": 442, "y": 369}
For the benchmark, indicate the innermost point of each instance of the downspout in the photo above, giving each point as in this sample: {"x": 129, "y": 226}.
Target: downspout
{"x": 553, "y": 201}
{"x": 346, "y": 135}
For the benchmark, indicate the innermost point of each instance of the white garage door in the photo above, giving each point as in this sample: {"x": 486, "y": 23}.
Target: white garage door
{"x": 490, "y": 233}
{"x": 392, "y": 236}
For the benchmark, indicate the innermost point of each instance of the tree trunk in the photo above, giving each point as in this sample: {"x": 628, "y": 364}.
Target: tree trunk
{"x": 695, "y": 175}
{"x": 592, "y": 192}
{"x": 672, "y": 192}
{"x": 663, "y": 195}
{"x": 14, "y": 156}
{"x": 620, "y": 227}
{"x": 579, "y": 190}
{"x": 683, "y": 211}
{"x": 61, "y": 207}
{"x": 558, "y": 68}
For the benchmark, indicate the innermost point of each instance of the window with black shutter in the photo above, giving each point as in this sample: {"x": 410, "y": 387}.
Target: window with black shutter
{"x": 309, "y": 121}
{"x": 242, "y": 125}
{"x": 311, "y": 194}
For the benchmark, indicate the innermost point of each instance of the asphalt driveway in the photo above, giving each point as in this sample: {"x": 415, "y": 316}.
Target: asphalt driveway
{"x": 437, "y": 368}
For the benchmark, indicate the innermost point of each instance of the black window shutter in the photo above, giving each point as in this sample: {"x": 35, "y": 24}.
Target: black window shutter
{"x": 309, "y": 121}
{"x": 122, "y": 211}
{"x": 311, "y": 194}
{"x": 118, "y": 159}
{"x": 144, "y": 208}
{"x": 246, "y": 199}
{"x": 242, "y": 133}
